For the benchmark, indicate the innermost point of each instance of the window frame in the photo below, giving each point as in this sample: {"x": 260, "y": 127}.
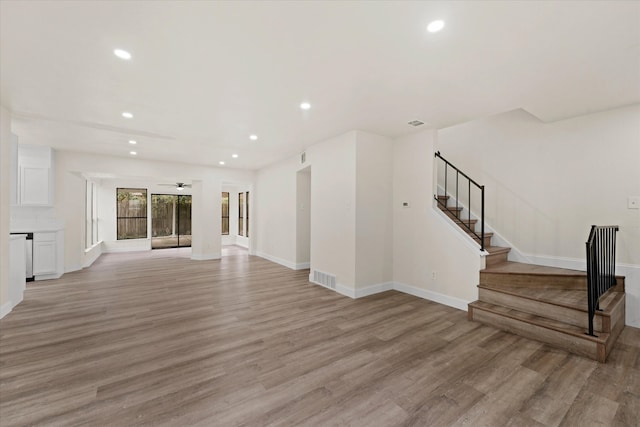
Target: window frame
{"x": 145, "y": 217}
{"x": 246, "y": 217}
{"x": 241, "y": 214}
{"x": 223, "y": 213}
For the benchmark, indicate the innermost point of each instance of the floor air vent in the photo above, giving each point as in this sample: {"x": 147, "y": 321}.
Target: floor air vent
{"x": 324, "y": 279}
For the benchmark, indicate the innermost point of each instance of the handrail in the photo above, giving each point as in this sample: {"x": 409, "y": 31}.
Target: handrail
{"x": 601, "y": 266}
{"x": 466, "y": 225}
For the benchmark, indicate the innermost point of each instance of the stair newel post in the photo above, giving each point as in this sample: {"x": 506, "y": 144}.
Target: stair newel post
{"x": 482, "y": 218}
{"x": 590, "y": 279}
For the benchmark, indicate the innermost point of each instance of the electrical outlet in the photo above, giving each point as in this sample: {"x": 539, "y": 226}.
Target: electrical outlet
{"x": 433, "y": 275}
{"x": 633, "y": 202}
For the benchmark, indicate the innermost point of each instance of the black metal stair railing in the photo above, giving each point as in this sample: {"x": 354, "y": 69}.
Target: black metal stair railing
{"x": 456, "y": 212}
{"x": 601, "y": 266}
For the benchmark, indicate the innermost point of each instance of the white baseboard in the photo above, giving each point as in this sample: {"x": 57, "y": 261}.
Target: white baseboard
{"x": 341, "y": 289}
{"x": 373, "y": 289}
{"x": 447, "y": 300}
{"x": 288, "y": 264}
{"x": 92, "y": 254}
{"x": 6, "y": 309}
{"x": 303, "y": 265}
{"x": 72, "y": 268}
{"x": 48, "y": 276}
{"x": 205, "y": 257}
{"x": 131, "y": 249}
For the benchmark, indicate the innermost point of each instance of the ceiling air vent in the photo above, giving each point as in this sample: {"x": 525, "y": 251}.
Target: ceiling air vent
{"x": 415, "y": 123}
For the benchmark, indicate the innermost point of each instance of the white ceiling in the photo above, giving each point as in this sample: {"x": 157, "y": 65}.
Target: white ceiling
{"x": 206, "y": 75}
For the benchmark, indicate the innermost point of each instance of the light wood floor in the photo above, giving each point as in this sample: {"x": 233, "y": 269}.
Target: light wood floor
{"x": 155, "y": 338}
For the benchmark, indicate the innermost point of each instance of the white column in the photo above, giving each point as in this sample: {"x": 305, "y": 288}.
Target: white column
{"x": 205, "y": 220}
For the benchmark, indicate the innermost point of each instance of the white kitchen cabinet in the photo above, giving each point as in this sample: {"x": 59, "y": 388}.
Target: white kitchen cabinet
{"x": 44, "y": 254}
{"x": 34, "y": 186}
{"x": 35, "y": 170}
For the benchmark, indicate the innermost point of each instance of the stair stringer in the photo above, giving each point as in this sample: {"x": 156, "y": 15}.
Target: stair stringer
{"x": 458, "y": 231}
{"x": 497, "y": 239}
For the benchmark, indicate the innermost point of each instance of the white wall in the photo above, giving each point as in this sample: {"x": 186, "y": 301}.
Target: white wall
{"x": 333, "y": 208}
{"x": 424, "y": 243}
{"x": 5, "y": 154}
{"x": 547, "y": 183}
{"x": 274, "y": 212}
{"x": 70, "y": 197}
{"x": 374, "y": 215}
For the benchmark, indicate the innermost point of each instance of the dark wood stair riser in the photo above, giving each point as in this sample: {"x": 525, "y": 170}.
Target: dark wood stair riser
{"x": 593, "y": 348}
{"x": 487, "y": 238}
{"x": 538, "y": 281}
{"x": 495, "y": 259}
{"x": 571, "y": 316}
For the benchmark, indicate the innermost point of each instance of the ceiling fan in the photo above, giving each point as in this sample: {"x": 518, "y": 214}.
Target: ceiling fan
{"x": 180, "y": 186}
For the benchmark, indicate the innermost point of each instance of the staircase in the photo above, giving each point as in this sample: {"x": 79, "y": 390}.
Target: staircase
{"x": 546, "y": 304}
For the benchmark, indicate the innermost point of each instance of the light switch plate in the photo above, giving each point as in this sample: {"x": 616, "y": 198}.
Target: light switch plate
{"x": 633, "y": 202}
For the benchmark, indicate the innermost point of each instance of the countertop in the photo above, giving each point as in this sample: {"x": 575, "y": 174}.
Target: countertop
{"x": 36, "y": 227}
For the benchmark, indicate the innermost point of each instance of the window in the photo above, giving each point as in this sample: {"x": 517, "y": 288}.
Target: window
{"x": 225, "y": 213}
{"x": 247, "y": 216}
{"x": 91, "y": 214}
{"x": 132, "y": 213}
{"x": 240, "y": 214}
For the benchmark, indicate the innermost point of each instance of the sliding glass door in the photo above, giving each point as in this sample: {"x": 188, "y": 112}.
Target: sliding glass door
{"x": 170, "y": 221}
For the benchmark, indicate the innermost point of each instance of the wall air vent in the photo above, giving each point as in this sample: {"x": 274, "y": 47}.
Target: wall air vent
{"x": 303, "y": 157}
{"x": 325, "y": 279}
{"x": 416, "y": 123}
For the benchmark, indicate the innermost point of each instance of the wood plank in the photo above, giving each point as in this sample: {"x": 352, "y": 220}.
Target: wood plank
{"x": 155, "y": 338}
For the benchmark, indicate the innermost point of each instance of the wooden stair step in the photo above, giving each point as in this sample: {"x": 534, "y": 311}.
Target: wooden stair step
{"x": 452, "y": 212}
{"x": 497, "y": 255}
{"x": 568, "y": 306}
{"x": 461, "y": 222}
{"x": 549, "y": 331}
{"x": 537, "y": 276}
{"x": 570, "y": 298}
{"x": 487, "y": 237}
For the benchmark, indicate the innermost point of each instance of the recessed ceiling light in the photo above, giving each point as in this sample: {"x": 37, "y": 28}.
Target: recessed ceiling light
{"x": 122, "y": 54}
{"x": 127, "y": 115}
{"x": 133, "y": 153}
{"x": 305, "y": 105}
{"x": 221, "y": 162}
{"x": 435, "y": 26}
{"x": 235, "y": 156}
{"x": 132, "y": 142}
{"x": 253, "y": 137}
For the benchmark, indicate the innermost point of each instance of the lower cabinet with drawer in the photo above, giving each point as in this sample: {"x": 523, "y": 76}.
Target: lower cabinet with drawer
{"x": 48, "y": 252}
{"x": 44, "y": 253}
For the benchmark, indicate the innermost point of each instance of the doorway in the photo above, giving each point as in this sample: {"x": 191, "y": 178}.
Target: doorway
{"x": 170, "y": 221}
